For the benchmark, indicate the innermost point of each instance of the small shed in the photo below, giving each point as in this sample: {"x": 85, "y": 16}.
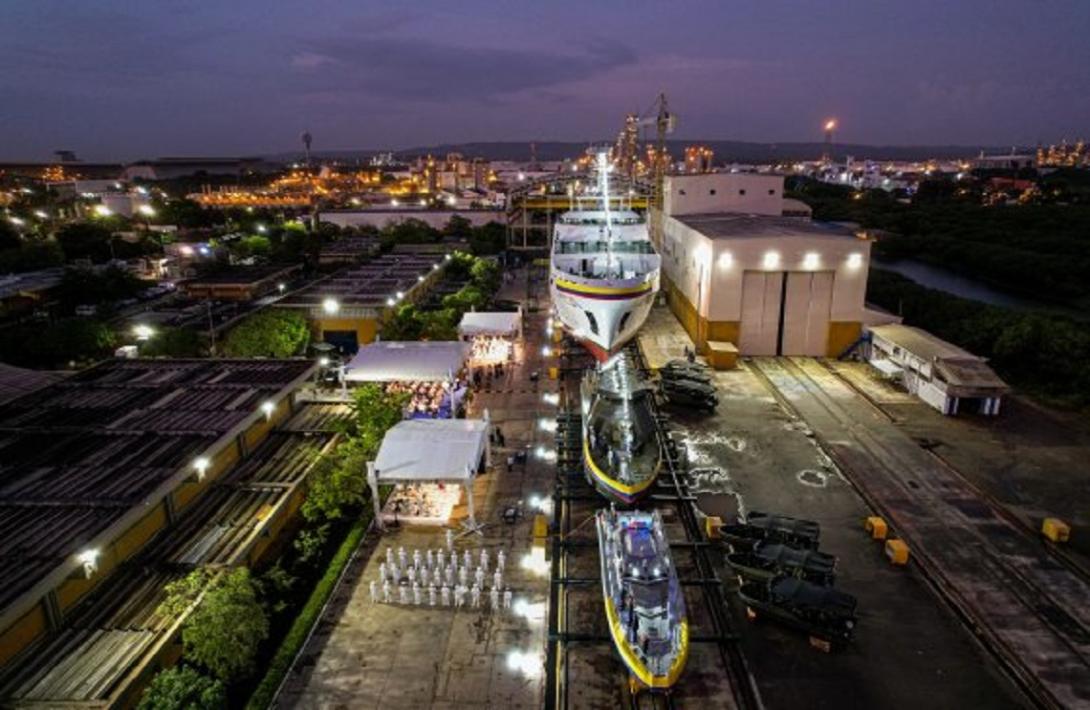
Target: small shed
{"x": 448, "y": 451}
{"x": 943, "y": 375}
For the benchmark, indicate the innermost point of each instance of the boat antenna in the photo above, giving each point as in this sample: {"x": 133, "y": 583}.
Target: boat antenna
{"x": 603, "y": 187}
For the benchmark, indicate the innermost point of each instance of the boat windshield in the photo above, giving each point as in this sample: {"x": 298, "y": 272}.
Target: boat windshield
{"x": 651, "y": 596}
{"x": 637, "y": 246}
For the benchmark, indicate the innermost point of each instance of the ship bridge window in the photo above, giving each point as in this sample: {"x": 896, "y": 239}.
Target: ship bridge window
{"x": 711, "y": 192}
{"x": 624, "y": 320}
{"x": 741, "y": 192}
{"x": 592, "y": 321}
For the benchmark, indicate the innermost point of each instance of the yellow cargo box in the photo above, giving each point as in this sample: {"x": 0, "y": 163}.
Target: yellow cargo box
{"x": 541, "y": 528}
{"x": 876, "y": 526}
{"x": 713, "y": 524}
{"x": 554, "y": 373}
{"x": 897, "y": 552}
{"x": 1056, "y": 530}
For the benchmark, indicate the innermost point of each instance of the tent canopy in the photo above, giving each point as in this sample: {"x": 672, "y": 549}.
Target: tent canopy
{"x": 395, "y": 361}
{"x": 489, "y": 323}
{"x": 421, "y": 450}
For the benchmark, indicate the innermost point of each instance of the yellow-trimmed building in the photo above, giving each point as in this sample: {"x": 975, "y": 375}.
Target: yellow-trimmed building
{"x": 741, "y": 265}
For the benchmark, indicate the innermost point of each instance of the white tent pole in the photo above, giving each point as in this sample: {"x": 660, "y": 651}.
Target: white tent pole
{"x": 469, "y": 498}
{"x": 488, "y": 441}
{"x": 372, "y": 478}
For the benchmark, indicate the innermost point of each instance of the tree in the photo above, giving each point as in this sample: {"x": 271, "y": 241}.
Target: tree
{"x": 174, "y": 342}
{"x": 485, "y": 274}
{"x": 223, "y": 632}
{"x": 268, "y": 333}
{"x": 467, "y": 298}
{"x": 9, "y": 235}
{"x": 183, "y": 688}
{"x": 488, "y": 239}
{"x": 457, "y": 226}
{"x": 85, "y": 240}
{"x": 339, "y": 480}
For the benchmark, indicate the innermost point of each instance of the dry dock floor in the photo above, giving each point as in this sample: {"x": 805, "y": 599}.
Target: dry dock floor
{"x": 910, "y": 651}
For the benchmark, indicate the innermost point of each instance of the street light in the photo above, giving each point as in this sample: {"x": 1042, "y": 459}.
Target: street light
{"x": 17, "y": 221}
{"x": 331, "y": 306}
{"x": 281, "y": 287}
{"x": 146, "y": 210}
{"x": 268, "y": 406}
{"x": 41, "y": 214}
{"x": 142, "y": 331}
{"x": 103, "y": 211}
{"x": 261, "y": 229}
{"x": 201, "y": 467}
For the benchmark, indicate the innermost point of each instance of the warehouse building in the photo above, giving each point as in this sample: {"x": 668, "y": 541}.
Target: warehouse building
{"x": 100, "y": 468}
{"x": 347, "y": 308}
{"x": 745, "y": 269}
{"x": 943, "y": 375}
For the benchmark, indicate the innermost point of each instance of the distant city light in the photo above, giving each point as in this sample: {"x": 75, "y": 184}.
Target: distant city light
{"x": 331, "y": 306}
{"x": 40, "y": 214}
{"x": 18, "y": 222}
{"x": 522, "y": 176}
{"x": 771, "y": 260}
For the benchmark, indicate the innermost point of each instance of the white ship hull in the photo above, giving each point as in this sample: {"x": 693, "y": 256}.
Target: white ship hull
{"x": 605, "y": 314}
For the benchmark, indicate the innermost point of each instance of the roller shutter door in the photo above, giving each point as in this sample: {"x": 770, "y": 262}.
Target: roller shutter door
{"x": 808, "y": 304}
{"x": 759, "y": 329}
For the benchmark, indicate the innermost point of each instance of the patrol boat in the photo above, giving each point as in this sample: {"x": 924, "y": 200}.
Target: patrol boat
{"x": 604, "y": 272}
{"x": 621, "y": 452}
{"x": 644, "y": 604}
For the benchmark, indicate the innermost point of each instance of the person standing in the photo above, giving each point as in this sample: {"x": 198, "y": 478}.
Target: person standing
{"x": 374, "y": 591}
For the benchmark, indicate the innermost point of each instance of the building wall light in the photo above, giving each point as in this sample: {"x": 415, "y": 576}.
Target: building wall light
{"x": 268, "y": 407}
{"x": 89, "y": 560}
{"x": 725, "y": 260}
{"x": 201, "y": 467}
{"x": 855, "y": 260}
{"x": 811, "y": 260}
{"x": 772, "y": 260}
{"x": 331, "y": 306}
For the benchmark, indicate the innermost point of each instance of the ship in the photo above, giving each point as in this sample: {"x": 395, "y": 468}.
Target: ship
{"x": 767, "y": 561}
{"x": 604, "y": 272}
{"x": 643, "y": 599}
{"x": 621, "y": 452}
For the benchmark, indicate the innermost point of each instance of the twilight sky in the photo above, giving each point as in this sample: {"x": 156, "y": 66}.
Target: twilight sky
{"x": 116, "y": 79}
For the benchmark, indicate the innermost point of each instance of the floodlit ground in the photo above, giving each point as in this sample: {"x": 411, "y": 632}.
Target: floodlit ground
{"x": 909, "y": 651}
{"x": 392, "y": 656}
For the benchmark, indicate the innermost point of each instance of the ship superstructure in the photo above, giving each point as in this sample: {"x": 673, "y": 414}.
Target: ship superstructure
{"x": 643, "y": 598}
{"x": 605, "y": 272}
{"x": 621, "y": 452}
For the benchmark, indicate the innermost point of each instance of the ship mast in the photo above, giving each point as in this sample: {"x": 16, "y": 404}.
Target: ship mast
{"x": 603, "y": 188}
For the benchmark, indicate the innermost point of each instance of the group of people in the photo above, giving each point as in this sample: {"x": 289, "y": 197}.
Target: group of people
{"x": 426, "y": 399}
{"x": 439, "y": 577}
{"x": 490, "y": 349}
{"x": 422, "y": 500}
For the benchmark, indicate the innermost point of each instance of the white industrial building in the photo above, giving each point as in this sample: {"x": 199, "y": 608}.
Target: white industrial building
{"x": 742, "y": 265}
{"x": 943, "y": 375}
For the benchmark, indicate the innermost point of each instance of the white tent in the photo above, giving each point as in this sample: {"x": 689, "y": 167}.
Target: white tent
{"x": 490, "y": 323}
{"x": 395, "y": 361}
{"x": 431, "y": 451}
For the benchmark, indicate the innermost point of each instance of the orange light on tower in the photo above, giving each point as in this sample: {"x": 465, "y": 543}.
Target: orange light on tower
{"x": 830, "y": 126}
